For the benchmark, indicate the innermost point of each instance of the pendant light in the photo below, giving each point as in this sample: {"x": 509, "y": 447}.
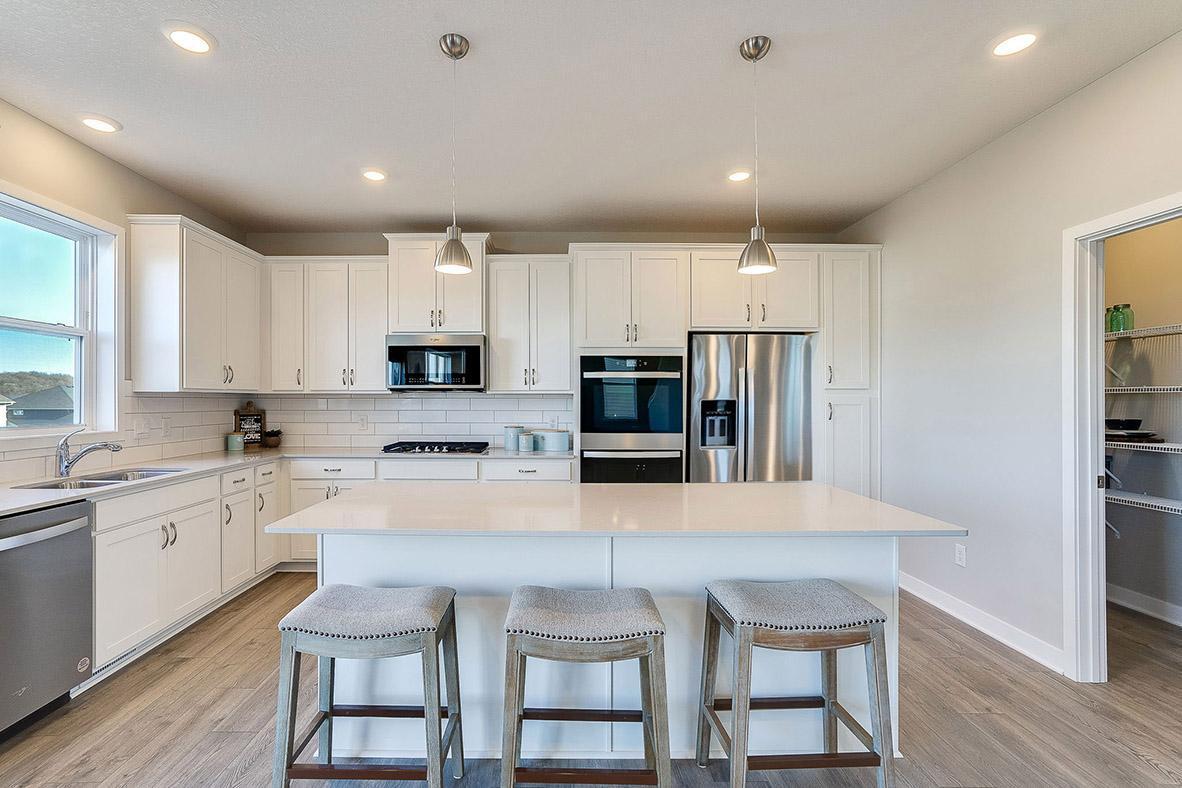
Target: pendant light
{"x": 757, "y": 257}
{"x": 453, "y": 257}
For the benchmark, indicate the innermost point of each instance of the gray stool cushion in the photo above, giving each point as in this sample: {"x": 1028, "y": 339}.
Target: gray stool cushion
{"x": 808, "y": 605}
{"x": 364, "y": 613}
{"x": 599, "y": 616}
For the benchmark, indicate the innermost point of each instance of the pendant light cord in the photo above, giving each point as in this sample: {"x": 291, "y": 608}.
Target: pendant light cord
{"x": 453, "y": 146}
{"x": 755, "y": 84}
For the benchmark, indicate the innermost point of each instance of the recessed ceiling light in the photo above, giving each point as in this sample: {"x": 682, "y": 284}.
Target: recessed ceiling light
{"x": 1015, "y": 44}
{"x": 739, "y": 175}
{"x": 101, "y": 123}
{"x": 189, "y": 37}
{"x": 373, "y": 174}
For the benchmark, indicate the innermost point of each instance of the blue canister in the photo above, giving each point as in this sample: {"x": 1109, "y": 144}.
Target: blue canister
{"x": 511, "y": 433}
{"x": 525, "y": 441}
{"x": 235, "y": 441}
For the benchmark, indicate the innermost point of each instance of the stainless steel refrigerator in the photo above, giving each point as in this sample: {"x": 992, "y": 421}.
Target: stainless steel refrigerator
{"x": 749, "y": 404}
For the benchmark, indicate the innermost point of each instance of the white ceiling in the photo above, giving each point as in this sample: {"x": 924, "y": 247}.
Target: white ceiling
{"x": 574, "y": 114}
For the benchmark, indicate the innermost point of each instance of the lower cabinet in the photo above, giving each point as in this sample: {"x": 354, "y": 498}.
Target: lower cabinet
{"x": 305, "y": 493}
{"x": 238, "y": 535}
{"x": 266, "y": 546}
{"x": 193, "y": 560}
{"x": 850, "y": 429}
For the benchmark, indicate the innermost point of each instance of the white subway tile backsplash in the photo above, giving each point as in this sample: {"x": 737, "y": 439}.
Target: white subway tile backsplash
{"x": 446, "y": 404}
{"x": 422, "y": 415}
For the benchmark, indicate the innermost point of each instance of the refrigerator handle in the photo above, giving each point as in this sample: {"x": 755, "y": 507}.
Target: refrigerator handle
{"x": 741, "y": 475}
{"x": 749, "y": 396}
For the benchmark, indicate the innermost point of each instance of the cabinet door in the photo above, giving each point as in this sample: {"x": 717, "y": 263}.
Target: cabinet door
{"x": 658, "y": 298}
{"x": 847, "y": 320}
{"x": 412, "y": 286}
{"x": 367, "y": 326}
{"x": 287, "y": 327}
{"x": 603, "y": 299}
{"x": 266, "y": 511}
{"x": 509, "y": 335}
{"x": 459, "y": 299}
{"x": 549, "y": 297}
{"x": 193, "y": 576}
{"x": 720, "y": 297}
{"x": 242, "y": 323}
{"x": 204, "y": 317}
{"x": 303, "y": 495}
{"x": 238, "y": 530}
{"x": 790, "y": 296}
{"x": 327, "y": 330}
{"x": 128, "y": 587}
{"x": 848, "y": 443}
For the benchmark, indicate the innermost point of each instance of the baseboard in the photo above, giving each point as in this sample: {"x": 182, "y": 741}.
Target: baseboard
{"x": 296, "y": 566}
{"x": 1142, "y": 603}
{"x": 1023, "y": 642}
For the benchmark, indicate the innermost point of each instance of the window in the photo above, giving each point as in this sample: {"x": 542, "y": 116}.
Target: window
{"x": 45, "y": 320}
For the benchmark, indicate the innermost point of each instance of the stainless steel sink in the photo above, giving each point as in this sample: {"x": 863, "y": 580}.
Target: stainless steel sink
{"x": 70, "y": 484}
{"x": 132, "y": 474}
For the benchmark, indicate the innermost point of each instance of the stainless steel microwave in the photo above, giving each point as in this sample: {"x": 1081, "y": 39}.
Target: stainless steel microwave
{"x": 439, "y": 362}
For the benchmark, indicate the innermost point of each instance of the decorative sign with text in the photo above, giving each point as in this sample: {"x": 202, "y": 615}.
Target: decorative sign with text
{"x": 252, "y": 423}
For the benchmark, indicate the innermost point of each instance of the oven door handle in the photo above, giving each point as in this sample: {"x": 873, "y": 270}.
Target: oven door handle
{"x": 672, "y": 454}
{"x": 33, "y": 537}
{"x": 631, "y": 374}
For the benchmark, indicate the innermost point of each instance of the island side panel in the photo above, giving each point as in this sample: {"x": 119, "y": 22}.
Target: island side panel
{"x": 676, "y": 570}
{"x": 484, "y": 570}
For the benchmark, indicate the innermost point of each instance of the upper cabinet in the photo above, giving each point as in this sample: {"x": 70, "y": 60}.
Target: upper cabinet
{"x": 194, "y": 308}
{"x": 285, "y": 289}
{"x": 786, "y": 300}
{"x": 630, "y": 298}
{"x": 345, "y": 324}
{"x": 529, "y": 326}
{"x": 846, "y": 345}
{"x": 422, "y": 301}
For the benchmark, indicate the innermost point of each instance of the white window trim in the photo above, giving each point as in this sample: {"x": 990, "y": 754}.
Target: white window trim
{"x": 99, "y": 320}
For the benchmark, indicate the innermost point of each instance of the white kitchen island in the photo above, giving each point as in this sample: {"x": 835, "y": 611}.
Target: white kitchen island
{"x": 483, "y": 539}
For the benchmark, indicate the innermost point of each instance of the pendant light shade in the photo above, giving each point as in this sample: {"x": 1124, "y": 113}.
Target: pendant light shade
{"x": 453, "y": 257}
{"x": 757, "y": 256}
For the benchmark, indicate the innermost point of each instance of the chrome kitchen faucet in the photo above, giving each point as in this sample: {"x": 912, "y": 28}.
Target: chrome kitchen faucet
{"x": 65, "y": 462}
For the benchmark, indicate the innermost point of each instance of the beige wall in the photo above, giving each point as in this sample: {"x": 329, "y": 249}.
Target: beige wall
{"x": 1144, "y": 268}
{"x": 971, "y": 331}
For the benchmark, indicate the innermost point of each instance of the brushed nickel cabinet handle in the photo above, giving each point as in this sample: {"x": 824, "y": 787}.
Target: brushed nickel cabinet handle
{"x": 352, "y": 379}
{"x": 260, "y": 502}
{"x": 525, "y": 376}
{"x": 830, "y": 372}
{"x": 231, "y": 373}
{"x": 229, "y": 514}
{"x": 635, "y": 332}
{"x": 164, "y": 530}
{"x": 831, "y": 411}
{"x": 535, "y": 371}
{"x": 749, "y": 313}
{"x": 439, "y": 317}
{"x": 344, "y": 379}
{"x": 432, "y": 318}
{"x": 327, "y": 491}
{"x": 627, "y": 332}
{"x": 172, "y": 526}
{"x": 225, "y": 374}
{"x": 764, "y": 312}
{"x": 299, "y": 376}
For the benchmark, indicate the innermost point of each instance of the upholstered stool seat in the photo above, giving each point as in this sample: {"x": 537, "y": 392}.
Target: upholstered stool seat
{"x": 587, "y": 626}
{"x": 814, "y": 614}
{"x": 795, "y": 605}
{"x": 356, "y": 622}
{"x": 587, "y": 616}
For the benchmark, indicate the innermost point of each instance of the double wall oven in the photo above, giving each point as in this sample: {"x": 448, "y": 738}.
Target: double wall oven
{"x": 630, "y": 418}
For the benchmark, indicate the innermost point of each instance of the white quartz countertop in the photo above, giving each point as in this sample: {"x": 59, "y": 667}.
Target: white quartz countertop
{"x": 563, "y": 509}
{"x": 14, "y": 500}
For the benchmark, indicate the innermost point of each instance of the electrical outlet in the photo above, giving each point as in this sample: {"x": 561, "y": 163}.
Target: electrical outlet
{"x": 165, "y": 427}
{"x": 141, "y": 428}
{"x": 960, "y": 557}
{"x": 363, "y": 421}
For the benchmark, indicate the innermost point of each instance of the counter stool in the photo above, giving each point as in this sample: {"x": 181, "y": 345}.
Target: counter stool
{"x": 355, "y": 622}
{"x": 587, "y": 626}
{"x": 798, "y": 615}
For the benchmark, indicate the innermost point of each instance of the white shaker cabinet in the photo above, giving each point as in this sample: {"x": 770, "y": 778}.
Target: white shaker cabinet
{"x": 286, "y": 291}
{"x": 785, "y": 300}
{"x": 423, "y": 301}
{"x": 659, "y": 284}
{"x": 850, "y": 429}
{"x": 846, "y": 346}
{"x": 129, "y": 566}
{"x": 266, "y": 546}
{"x": 720, "y": 297}
{"x": 529, "y": 323}
{"x": 603, "y": 299}
{"x": 345, "y": 324}
{"x": 367, "y": 325}
{"x": 177, "y": 268}
{"x": 626, "y": 298}
{"x": 305, "y": 493}
{"x": 193, "y": 560}
{"x": 238, "y": 536}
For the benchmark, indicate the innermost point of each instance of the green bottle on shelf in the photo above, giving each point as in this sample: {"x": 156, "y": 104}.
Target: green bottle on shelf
{"x": 1108, "y": 319}
{"x": 1122, "y": 318}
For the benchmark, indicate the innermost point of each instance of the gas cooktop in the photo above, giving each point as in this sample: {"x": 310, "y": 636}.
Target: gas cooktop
{"x": 436, "y": 447}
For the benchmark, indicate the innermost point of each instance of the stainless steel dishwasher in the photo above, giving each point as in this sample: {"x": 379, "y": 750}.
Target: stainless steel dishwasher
{"x": 46, "y": 607}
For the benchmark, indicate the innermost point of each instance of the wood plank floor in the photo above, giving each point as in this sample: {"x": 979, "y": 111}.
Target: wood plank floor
{"x": 199, "y": 711}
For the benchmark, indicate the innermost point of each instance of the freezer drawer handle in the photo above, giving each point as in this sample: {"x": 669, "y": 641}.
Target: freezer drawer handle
{"x": 33, "y": 537}
{"x": 632, "y": 455}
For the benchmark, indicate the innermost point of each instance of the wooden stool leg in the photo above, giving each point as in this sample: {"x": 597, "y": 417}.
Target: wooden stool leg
{"x": 658, "y": 712}
{"x": 646, "y": 707}
{"x": 829, "y": 692}
{"x": 880, "y": 704}
{"x": 741, "y": 704}
{"x": 510, "y": 728}
{"x": 451, "y": 673}
{"x": 289, "y": 685}
{"x": 431, "y": 710}
{"x": 710, "y": 644}
{"x": 327, "y": 668}
{"x": 522, "y": 662}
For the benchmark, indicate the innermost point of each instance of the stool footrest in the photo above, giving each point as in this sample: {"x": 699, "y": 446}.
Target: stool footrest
{"x": 586, "y": 776}
{"x": 582, "y": 715}
{"x": 779, "y": 702}
{"x": 822, "y": 760}
{"x": 396, "y": 712}
{"x": 350, "y": 771}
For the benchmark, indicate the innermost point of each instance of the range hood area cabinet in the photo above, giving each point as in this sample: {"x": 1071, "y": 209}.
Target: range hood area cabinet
{"x": 179, "y": 268}
{"x": 529, "y": 326}
{"x": 630, "y": 297}
{"x": 425, "y": 302}
{"x": 788, "y": 299}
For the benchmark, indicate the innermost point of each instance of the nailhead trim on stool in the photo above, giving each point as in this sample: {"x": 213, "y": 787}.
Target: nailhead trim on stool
{"x": 810, "y": 605}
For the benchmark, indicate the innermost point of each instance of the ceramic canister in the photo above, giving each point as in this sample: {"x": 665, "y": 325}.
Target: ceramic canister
{"x": 511, "y": 433}
{"x": 552, "y": 440}
{"x": 235, "y": 441}
{"x": 525, "y": 441}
